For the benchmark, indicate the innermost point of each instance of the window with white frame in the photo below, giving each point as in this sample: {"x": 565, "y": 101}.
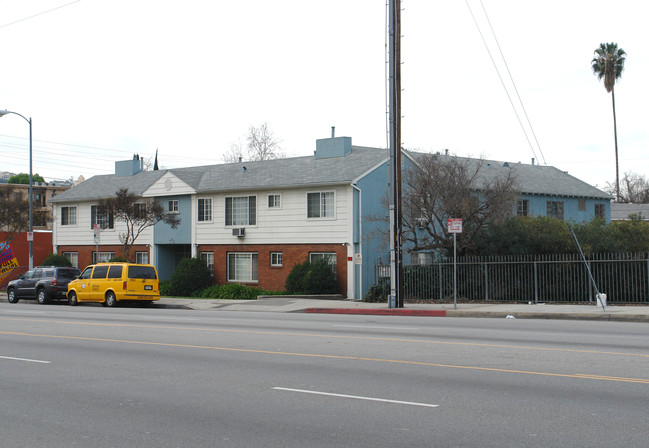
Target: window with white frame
{"x": 523, "y": 207}
{"x": 100, "y": 257}
{"x": 68, "y": 216}
{"x": 139, "y": 210}
{"x": 275, "y": 258}
{"x": 99, "y": 216}
{"x": 73, "y": 258}
{"x": 142, "y": 257}
{"x": 320, "y": 205}
{"x": 208, "y": 258}
{"x": 241, "y": 211}
{"x": 242, "y": 266}
{"x": 274, "y": 201}
{"x": 172, "y": 207}
{"x": 205, "y": 209}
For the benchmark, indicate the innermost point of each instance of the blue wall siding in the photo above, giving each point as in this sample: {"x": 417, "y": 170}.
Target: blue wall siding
{"x": 375, "y": 245}
{"x": 538, "y": 207}
{"x": 164, "y": 234}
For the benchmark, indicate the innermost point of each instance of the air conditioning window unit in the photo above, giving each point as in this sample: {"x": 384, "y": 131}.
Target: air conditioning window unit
{"x": 239, "y": 232}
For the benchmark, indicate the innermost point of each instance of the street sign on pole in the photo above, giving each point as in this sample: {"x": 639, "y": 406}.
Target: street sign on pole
{"x": 454, "y": 225}
{"x": 30, "y": 236}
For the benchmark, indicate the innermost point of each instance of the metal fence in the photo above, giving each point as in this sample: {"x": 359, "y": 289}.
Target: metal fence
{"x": 624, "y": 278}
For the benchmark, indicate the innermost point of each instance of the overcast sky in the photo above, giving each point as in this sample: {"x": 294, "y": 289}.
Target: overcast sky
{"x": 104, "y": 79}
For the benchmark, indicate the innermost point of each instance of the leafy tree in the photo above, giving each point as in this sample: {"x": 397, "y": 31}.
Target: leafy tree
{"x": 56, "y": 260}
{"x": 137, "y": 214}
{"x": 191, "y": 275}
{"x": 608, "y": 64}
{"x": 23, "y": 178}
{"x": 14, "y": 213}
{"x": 261, "y": 145}
{"x": 440, "y": 187}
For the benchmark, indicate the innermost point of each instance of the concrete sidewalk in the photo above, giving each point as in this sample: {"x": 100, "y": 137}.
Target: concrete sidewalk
{"x": 638, "y": 313}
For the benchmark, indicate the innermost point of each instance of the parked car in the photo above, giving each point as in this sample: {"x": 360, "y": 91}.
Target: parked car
{"x": 43, "y": 283}
{"x": 109, "y": 283}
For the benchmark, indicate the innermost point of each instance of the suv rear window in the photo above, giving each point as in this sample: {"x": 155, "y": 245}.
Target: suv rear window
{"x": 147, "y": 272}
{"x": 67, "y": 274}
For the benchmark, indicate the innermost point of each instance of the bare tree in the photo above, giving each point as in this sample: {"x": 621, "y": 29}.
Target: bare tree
{"x": 442, "y": 187}
{"x": 261, "y": 145}
{"x": 634, "y": 188}
{"x": 138, "y": 214}
{"x": 14, "y": 213}
{"x": 235, "y": 154}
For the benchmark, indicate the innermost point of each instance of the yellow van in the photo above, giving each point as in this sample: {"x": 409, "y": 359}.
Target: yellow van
{"x": 110, "y": 283}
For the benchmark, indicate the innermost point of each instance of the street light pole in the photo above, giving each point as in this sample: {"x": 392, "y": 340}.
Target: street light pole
{"x": 31, "y": 182}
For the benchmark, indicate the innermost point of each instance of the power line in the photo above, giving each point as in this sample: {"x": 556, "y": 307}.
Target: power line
{"x": 38, "y": 14}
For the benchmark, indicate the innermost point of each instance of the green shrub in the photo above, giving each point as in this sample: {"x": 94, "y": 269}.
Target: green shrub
{"x": 235, "y": 291}
{"x": 56, "y": 260}
{"x": 378, "y": 293}
{"x": 211, "y": 292}
{"x": 311, "y": 278}
{"x": 191, "y": 275}
{"x": 165, "y": 289}
{"x": 119, "y": 259}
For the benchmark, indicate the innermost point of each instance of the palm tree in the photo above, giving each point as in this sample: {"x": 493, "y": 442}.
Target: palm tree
{"x": 608, "y": 63}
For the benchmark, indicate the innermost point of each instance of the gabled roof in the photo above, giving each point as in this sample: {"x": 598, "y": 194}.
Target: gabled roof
{"x": 533, "y": 179}
{"x": 290, "y": 172}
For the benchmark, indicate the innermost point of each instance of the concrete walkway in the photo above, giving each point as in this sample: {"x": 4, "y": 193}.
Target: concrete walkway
{"x": 638, "y": 313}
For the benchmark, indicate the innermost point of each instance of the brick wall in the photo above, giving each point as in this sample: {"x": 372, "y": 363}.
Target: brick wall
{"x": 271, "y": 277}
{"x": 85, "y": 252}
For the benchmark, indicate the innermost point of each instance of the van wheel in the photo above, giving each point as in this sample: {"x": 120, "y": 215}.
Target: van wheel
{"x": 111, "y": 300}
{"x": 43, "y": 298}
{"x": 72, "y": 298}
{"x": 11, "y": 296}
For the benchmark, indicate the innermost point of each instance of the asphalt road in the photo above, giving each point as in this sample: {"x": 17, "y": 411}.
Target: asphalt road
{"x": 126, "y": 377}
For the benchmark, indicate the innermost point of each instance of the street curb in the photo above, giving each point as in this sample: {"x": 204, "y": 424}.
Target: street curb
{"x": 551, "y": 316}
{"x": 381, "y": 312}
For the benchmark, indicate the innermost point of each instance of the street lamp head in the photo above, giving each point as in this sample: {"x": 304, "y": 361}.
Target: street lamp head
{"x": 4, "y": 112}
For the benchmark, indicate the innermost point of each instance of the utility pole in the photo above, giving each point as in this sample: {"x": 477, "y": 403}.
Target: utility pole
{"x": 396, "y": 267}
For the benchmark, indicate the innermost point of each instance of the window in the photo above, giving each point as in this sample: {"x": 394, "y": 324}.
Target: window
{"x": 555, "y": 209}
{"x": 139, "y": 210}
{"x": 522, "y": 207}
{"x": 100, "y": 271}
{"x": 275, "y": 258}
{"x": 329, "y": 256}
{"x": 142, "y": 257}
{"x": 115, "y": 271}
{"x": 205, "y": 210}
{"x": 68, "y": 216}
{"x": 173, "y": 206}
{"x": 600, "y": 211}
{"x": 274, "y": 201}
{"x": 99, "y": 216}
{"x": 98, "y": 257}
{"x": 208, "y": 258}
{"x": 581, "y": 205}
{"x": 73, "y": 257}
{"x": 320, "y": 205}
{"x": 241, "y": 211}
{"x": 242, "y": 267}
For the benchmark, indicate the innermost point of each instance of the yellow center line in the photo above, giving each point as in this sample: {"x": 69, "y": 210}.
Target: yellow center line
{"x": 355, "y": 358}
{"x": 315, "y": 335}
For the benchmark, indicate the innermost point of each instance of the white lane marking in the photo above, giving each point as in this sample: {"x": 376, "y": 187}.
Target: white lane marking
{"x": 26, "y": 360}
{"x": 384, "y": 400}
{"x": 377, "y": 327}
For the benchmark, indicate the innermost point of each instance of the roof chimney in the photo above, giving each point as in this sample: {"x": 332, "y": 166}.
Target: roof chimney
{"x": 333, "y": 131}
{"x": 532, "y": 161}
